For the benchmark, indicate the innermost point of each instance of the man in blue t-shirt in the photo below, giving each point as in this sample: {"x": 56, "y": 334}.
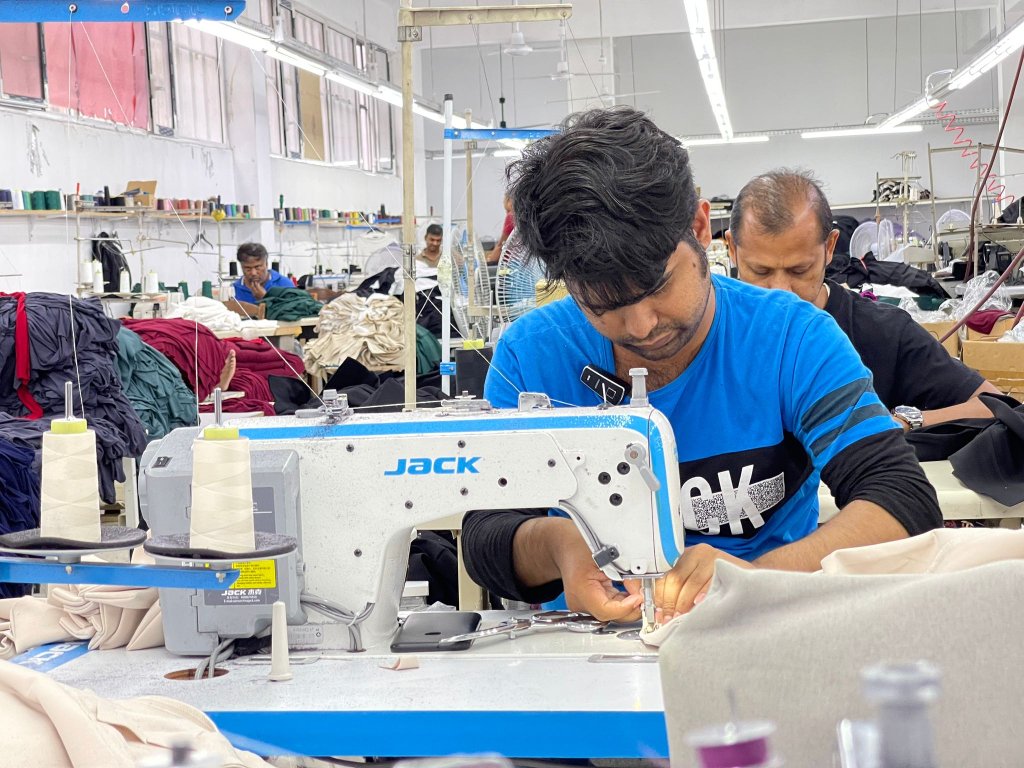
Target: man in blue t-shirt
{"x": 257, "y": 278}
{"x": 763, "y": 390}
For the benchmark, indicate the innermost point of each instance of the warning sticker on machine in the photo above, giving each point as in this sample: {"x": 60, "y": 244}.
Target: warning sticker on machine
{"x": 255, "y": 574}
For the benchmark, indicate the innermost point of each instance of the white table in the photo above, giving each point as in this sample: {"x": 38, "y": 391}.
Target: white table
{"x": 535, "y": 696}
{"x": 956, "y": 501}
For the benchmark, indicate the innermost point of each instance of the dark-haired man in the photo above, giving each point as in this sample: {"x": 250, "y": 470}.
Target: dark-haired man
{"x": 781, "y": 236}
{"x": 431, "y": 253}
{"x": 257, "y": 277}
{"x": 764, "y": 391}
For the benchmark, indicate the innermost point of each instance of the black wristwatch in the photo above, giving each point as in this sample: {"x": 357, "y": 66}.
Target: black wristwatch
{"x": 910, "y": 415}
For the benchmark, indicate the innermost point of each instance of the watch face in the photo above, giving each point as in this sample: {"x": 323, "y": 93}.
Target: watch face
{"x": 909, "y": 414}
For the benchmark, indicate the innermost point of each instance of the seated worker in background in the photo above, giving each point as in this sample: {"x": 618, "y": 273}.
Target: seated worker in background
{"x": 257, "y": 278}
{"x": 506, "y": 230}
{"x": 781, "y": 236}
{"x": 431, "y": 253}
{"x": 763, "y": 394}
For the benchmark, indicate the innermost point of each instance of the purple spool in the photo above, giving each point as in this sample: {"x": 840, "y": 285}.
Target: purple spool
{"x": 734, "y": 745}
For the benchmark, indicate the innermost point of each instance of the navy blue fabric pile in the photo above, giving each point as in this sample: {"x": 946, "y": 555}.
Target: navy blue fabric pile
{"x": 119, "y": 432}
{"x": 19, "y": 498}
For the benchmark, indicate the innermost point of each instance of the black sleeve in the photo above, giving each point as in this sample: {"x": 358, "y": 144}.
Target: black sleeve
{"x": 929, "y": 376}
{"x": 487, "y": 554}
{"x": 882, "y": 469}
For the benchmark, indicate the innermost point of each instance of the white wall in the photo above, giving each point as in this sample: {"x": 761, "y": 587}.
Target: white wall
{"x": 44, "y": 151}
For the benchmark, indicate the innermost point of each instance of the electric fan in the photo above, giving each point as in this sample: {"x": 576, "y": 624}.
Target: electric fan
{"x": 516, "y": 284}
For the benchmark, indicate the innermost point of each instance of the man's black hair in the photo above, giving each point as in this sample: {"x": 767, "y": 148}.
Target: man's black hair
{"x": 771, "y": 199}
{"x": 435, "y": 230}
{"x": 604, "y": 203}
{"x": 251, "y": 252}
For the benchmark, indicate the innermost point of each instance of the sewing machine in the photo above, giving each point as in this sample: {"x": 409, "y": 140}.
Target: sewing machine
{"x": 351, "y": 487}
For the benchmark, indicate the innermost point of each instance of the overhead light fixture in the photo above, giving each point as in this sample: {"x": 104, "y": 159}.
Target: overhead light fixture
{"x": 1007, "y": 43}
{"x": 301, "y": 62}
{"x": 836, "y": 133}
{"x": 714, "y": 142}
{"x": 507, "y": 153}
{"x": 699, "y": 21}
{"x": 517, "y": 45}
{"x": 350, "y": 81}
{"x": 233, "y": 32}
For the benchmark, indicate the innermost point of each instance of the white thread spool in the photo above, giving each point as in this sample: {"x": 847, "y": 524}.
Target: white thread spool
{"x": 85, "y": 272}
{"x": 280, "y": 668}
{"x": 97, "y": 277}
{"x": 125, "y": 281}
{"x": 222, "y": 510}
{"x": 152, "y": 284}
{"x": 70, "y": 500}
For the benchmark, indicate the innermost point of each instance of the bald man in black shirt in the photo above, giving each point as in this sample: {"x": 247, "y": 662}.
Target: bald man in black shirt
{"x": 781, "y": 236}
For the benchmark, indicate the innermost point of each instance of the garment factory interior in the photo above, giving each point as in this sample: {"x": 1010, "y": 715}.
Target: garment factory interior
{"x": 511, "y": 383}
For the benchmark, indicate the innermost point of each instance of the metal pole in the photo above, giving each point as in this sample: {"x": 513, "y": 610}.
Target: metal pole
{"x": 931, "y": 186}
{"x": 469, "y": 186}
{"x": 444, "y": 272}
{"x": 409, "y": 222}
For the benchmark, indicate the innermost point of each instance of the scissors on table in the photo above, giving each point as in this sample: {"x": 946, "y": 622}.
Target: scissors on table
{"x": 568, "y": 620}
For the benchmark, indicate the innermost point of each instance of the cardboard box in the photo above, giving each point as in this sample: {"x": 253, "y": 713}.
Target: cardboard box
{"x": 938, "y": 330}
{"x": 141, "y": 193}
{"x": 1002, "y": 326}
{"x": 1001, "y": 362}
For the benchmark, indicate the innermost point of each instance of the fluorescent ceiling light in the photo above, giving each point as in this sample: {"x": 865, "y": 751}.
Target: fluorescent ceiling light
{"x": 507, "y": 153}
{"x": 715, "y": 142}
{"x": 233, "y": 33}
{"x": 350, "y": 81}
{"x": 876, "y": 131}
{"x": 1007, "y": 43}
{"x": 699, "y": 22}
{"x": 909, "y": 111}
{"x": 429, "y": 114}
{"x": 287, "y": 57}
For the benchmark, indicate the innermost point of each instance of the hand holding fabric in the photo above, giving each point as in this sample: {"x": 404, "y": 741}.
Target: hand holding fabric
{"x": 688, "y": 581}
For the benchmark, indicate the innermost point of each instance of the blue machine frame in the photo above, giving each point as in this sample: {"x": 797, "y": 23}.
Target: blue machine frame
{"x": 19, "y": 570}
{"x": 32, "y": 11}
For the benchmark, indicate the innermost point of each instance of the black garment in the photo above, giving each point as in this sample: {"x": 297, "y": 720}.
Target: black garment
{"x": 846, "y": 225}
{"x": 880, "y": 468}
{"x": 855, "y": 273}
{"x": 940, "y": 441}
{"x": 993, "y": 462}
{"x": 433, "y": 558}
{"x": 908, "y": 365}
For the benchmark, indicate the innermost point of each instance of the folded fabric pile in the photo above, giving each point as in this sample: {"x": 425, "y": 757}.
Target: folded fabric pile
{"x": 19, "y": 498}
{"x": 368, "y": 330}
{"x": 201, "y": 357}
{"x": 290, "y": 304}
{"x": 50, "y": 724}
{"x": 211, "y": 313}
{"x": 47, "y": 340}
{"x": 153, "y": 385}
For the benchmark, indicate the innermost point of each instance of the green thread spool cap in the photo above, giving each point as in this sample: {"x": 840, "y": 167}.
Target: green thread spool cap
{"x": 68, "y": 426}
{"x": 220, "y": 433}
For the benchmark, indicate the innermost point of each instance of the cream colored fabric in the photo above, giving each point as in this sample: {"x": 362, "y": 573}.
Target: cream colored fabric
{"x": 943, "y": 550}
{"x": 213, "y": 314}
{"x": 791, "y": 647}
{"x": 106, "y": 616}
{"x": 939, "y": 551}
{"x": 369, "y": 330}
{"x": 49, "y": 724}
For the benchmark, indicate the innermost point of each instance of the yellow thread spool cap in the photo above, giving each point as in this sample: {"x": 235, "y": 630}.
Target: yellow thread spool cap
{"x": 473, "y": 344}
{"x": 220, "y": 433}
{"x": 68, "y": 426}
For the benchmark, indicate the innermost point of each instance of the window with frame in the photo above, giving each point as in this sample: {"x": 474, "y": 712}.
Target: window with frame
{"x": 342, "y": 104}
{"x": 21, "y": 62}
{"x": 197, "y": 81}
{"x": 312, "y": 94}
{"x": 161, "y": 80}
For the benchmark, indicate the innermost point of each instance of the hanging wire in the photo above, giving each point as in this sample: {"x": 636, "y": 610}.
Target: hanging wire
{"x": 896, "y": 56}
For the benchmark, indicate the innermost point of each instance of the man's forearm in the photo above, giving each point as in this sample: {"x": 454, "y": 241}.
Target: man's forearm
{"x": 858, "y": 524}
{"x": 972, "y": 409}
{"x": 536, "y": 547}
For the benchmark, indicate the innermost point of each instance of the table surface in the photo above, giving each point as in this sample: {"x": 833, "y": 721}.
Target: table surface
{"x": 538, "y": 695}
{"x": 956, "y": 501}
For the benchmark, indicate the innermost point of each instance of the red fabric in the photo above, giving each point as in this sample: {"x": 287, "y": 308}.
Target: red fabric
{"x": 984, "y": 320}
{"x": 23, "y": 357}
{"x": 256, "y": 361}
{"x": 508, "y": 226}
{"x": 19, "y": 60}
{"x": 98, "y": 52}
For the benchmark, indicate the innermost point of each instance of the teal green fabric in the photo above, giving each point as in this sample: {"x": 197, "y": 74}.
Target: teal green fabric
{"x": 428, "y": 351}
{"x": 154, "y": 386}
{"x": 290, "y": 304}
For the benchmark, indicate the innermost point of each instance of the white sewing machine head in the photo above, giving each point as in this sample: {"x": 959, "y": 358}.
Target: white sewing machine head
{"x": 353, "y": 489}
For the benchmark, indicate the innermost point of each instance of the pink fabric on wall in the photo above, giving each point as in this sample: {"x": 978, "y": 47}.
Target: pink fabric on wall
{"x": 99, "y": 52}
{"x": 20, "y": 60}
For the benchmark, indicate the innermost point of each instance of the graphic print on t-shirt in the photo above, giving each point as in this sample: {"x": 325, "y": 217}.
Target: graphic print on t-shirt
{"x": 735, "y": 494}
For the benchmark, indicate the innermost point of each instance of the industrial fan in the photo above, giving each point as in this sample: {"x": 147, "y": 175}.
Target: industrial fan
{"x": 520, "y": 281}
{"x": 470, "y": 292}
{"x": 873, "y": 238}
